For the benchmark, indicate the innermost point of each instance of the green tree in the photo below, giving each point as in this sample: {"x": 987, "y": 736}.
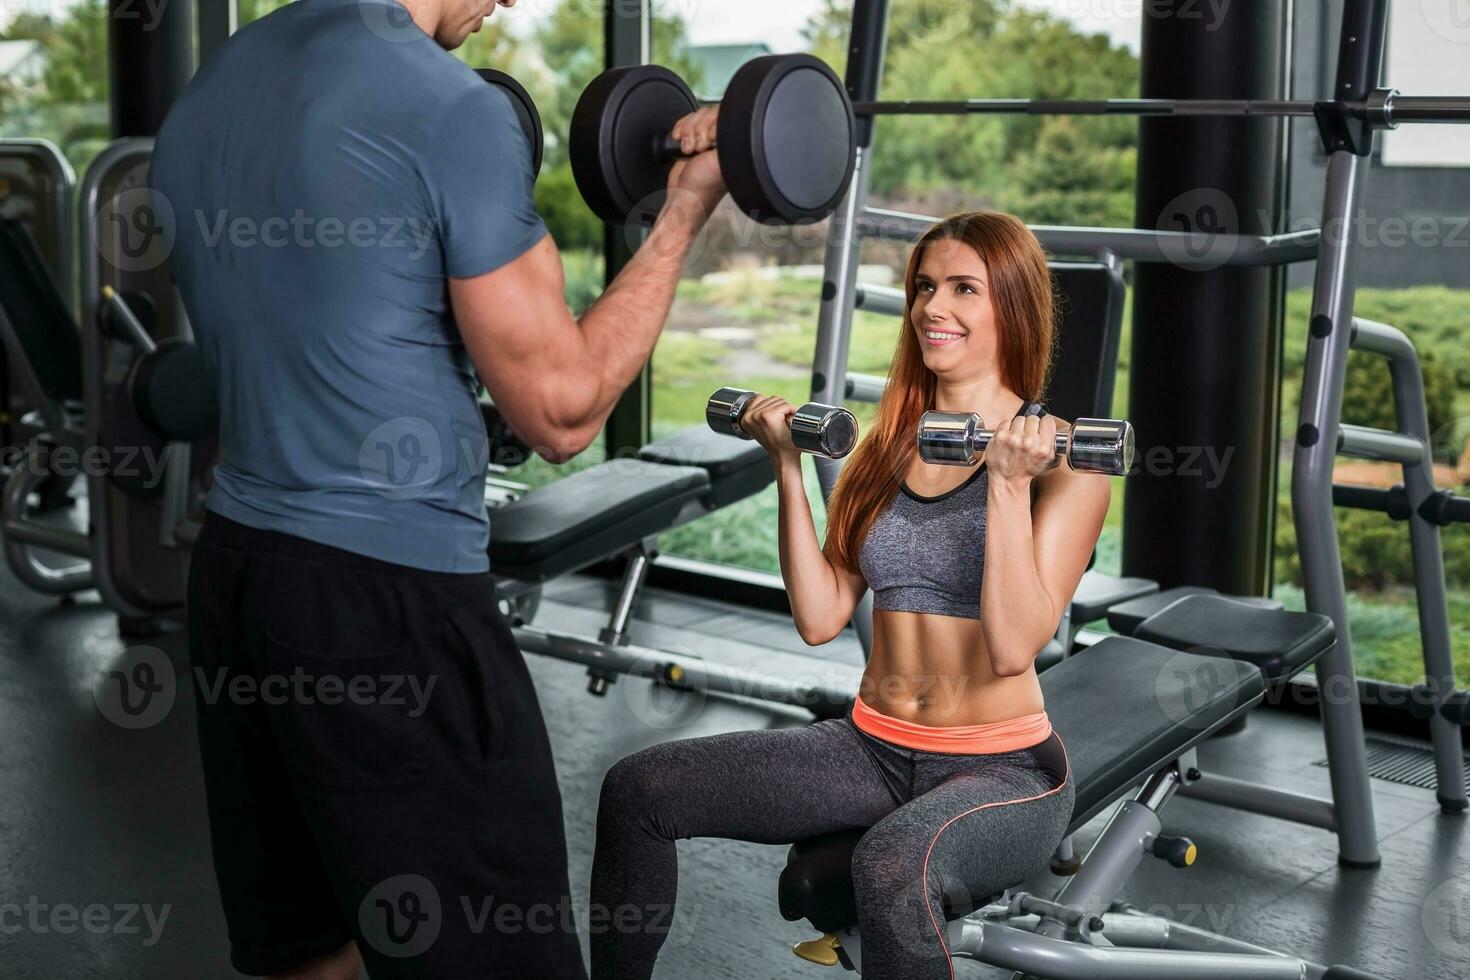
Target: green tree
{"x": 252, "y": 10}
{"x": 69, "y": 106}
{"x": 1068, "y": 179}
{"x": 570, "y": 46}
{"x": 1367, "y": 397}
{"x": 76, "y": 52}
{"x": 991, "y": 49}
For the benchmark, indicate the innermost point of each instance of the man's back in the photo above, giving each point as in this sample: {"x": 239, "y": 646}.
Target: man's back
{"x": 327, "y": 170}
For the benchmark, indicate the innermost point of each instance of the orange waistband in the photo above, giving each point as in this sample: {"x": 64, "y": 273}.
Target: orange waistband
{"x": 996, "y": 737}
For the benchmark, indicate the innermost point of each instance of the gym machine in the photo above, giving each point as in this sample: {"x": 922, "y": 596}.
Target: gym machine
{"x": 128, "y": 403}
{"x": 1084, "y": 931}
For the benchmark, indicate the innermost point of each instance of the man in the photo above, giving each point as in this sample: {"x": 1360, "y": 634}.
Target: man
{"x": 356, "y": 241}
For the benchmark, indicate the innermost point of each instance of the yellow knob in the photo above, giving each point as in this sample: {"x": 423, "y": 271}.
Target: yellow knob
{"x": 1190, "y": 855}
{"x": 675, "y": 674}
{"x": 822, "y": 952}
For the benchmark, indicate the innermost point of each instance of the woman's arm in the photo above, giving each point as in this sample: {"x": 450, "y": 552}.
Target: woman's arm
{"x": 1037, "y": 545}
{"x": 823, "y": 596}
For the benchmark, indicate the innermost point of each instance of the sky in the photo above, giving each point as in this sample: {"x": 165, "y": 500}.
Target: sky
{"x": 778, "y": 22}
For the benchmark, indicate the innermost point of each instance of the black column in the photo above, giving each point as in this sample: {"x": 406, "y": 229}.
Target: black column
{"x": 626, "y": 36}
{"x": 1204, "y": 371}
{"x": 218, "y": 19}
{"x": 150, "y": 57}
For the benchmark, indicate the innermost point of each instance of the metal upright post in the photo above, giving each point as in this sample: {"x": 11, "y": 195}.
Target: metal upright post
{"x": 1349, "y": 142}
{"x": 1328, "y": 342}
{"x": 1411, "y": 416}
{"x": 627, "y": 40}
{"x": 844, "y": 245}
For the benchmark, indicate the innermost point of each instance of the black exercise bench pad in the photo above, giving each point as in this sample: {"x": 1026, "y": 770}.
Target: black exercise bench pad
{"x": 588, "y": 516}
{"x": 1124, "y": 709}
{"x": 1125, "y": 617}
{"x": 1097, "y": 593}
{"x": 737, "y": 468}
{"x": 1278, "y": 643}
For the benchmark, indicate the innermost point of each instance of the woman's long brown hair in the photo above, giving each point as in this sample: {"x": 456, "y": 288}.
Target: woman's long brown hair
{"x": 1021, "y": 293}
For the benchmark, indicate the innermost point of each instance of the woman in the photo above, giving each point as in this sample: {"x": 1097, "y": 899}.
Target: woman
{"x": 947, "y": 755}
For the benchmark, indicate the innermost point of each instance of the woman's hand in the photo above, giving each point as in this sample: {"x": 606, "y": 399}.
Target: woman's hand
{"x": 767, "y": 420}
{"x": 1022, "y": 449}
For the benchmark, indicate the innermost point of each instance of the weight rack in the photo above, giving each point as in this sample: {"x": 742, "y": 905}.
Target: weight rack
{"x": 1346, "y": 125}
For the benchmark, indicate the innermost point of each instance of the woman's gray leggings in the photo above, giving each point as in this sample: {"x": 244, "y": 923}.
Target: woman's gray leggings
{"x": 945, "y": 829}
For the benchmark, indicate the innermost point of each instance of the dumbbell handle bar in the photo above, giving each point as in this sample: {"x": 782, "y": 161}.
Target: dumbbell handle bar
{"x": 668, "y": 148}
{"x": 1093, "y": 445}
{"x": 128, "y": 319}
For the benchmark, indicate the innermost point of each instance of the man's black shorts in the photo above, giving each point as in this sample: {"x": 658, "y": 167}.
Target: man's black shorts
{"x": 376, "y": 765}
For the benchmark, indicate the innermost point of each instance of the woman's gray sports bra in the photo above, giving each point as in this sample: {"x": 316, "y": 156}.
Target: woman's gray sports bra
{"x": 927, "y": 554}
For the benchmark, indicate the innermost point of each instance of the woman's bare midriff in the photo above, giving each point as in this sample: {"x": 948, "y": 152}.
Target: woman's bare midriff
{"x": 935, "y": 670}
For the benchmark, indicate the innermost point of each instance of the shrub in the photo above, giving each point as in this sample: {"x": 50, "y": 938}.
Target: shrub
{"x": 560, "y": 205}
{"x": 1375, "y": 551}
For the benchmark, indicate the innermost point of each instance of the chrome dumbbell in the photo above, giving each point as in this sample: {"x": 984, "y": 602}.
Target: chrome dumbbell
{"x": 1093, "y": 445}
{"x": 822, "y": 430}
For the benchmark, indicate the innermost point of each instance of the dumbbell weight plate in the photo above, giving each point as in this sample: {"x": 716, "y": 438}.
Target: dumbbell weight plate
{"x": 172, "y": 392}
{"x": 1102, "y": 446}
{"x": 724, "y": 409}
{"x": 525, "y": 109}
{"x": 948, "y": 438}
{"x": 824, "y": 430}
{"x": 786, "y": 139}
{"x": 616, "y": 124}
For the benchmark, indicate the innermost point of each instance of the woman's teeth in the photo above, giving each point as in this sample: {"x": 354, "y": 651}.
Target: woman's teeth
{"x": 942, "y": 337}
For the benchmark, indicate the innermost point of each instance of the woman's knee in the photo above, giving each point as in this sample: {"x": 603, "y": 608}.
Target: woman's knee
{"x": 634, "y": 791}
{"x": 887, "y": 860}
{"x": 895, "y": 867}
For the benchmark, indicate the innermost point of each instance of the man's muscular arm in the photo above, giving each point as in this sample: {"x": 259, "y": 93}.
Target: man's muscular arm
{"x": 555, "y": 378}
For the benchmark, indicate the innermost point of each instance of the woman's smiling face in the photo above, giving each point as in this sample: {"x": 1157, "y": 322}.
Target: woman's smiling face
{"x": 952, "y": 313}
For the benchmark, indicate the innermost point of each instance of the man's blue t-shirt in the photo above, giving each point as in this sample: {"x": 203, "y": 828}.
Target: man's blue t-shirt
{"x": 327, "y": 169}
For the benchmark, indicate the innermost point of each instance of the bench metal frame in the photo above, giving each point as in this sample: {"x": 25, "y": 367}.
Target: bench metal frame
{"x": 611, "y": 653}
{"x": 1085, "y": 932}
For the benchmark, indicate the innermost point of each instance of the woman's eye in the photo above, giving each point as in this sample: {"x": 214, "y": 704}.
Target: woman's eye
{"x": 965, "y": 288}
{"x": 925, "y": 287}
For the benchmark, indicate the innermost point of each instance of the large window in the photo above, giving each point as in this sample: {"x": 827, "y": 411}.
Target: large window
{"x": 1376, "y": 562}
{"x": 1413, "y": 236}
{"x": 53, "y": 77}
{"x": 746, "y": 313}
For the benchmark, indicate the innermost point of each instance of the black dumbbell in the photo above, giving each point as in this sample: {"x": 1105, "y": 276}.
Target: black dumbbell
{"x": 785, "y": 139}
{"x": 1093, "y": 445}
{"x": 520, "y": 100}
{"x": 822, "y": 430}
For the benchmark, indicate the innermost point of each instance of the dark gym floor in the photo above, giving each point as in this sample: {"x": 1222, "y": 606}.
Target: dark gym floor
{"x": 103, "y": 843}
